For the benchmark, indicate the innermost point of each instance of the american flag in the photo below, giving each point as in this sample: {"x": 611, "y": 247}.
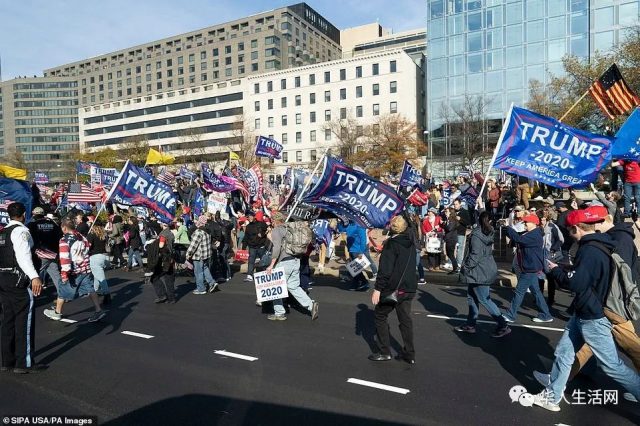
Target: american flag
{"x": 81, "y": 193}
{"x": 612, "y": 94}
{"x": 166, "y": 177}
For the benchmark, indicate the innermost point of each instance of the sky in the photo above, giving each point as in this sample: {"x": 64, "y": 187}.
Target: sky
{"x": 40, "y": 34}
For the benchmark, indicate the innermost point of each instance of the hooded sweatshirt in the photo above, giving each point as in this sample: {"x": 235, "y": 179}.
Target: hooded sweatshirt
{"x": 479, "y": 267}
{"x": 623, "y": 236}
{"x": 397, "y": 262}
{"x": 530, "y": 255}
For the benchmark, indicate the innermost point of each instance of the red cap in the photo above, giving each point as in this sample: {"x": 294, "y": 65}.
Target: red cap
{"x": 591, "y": 214}
{"x": 531, "y": 218}
{"x": 186, "y": 210}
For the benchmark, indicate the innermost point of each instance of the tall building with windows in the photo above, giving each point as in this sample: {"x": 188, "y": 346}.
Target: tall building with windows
{"x": 39, "y": 123}
{"x": 493, "y": 48}
{"x": 278, "y": 39}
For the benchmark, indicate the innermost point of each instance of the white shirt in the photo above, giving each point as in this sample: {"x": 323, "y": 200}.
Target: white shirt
{"x": 22, "y": 244}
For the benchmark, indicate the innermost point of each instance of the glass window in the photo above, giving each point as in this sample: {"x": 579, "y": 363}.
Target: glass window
{"x": 436, "y": 8}
{"x": 514, "y": 13}
{"x": 270, "y": 104}
{"x": 456, "y": 86}
{"x": 256, "y": 88}
{"x": 535, "y": 9}
{"x": 327, "y": 96}
{"x": 343, "y": 113}
{"x": 474, "y": 4}
{"x": 514, "y": 35}
{"x": 312, "y": 138}
{"x": 603, "y": 18}
{"x": 376, "y": 109}
{"x": 285, "y": 138}
{"x": 313, "y": 153}
{"x": 535, "y": 30}
{"x": 456, "y": 24}
{"x": 494, "y": 17}
{"x": 327, "y": 134}
{"x": 556, "y": 51}
{"x": 270, "y": 121}
{"x": 474, "y": 42}
{"x": 393, "y": 87}
{"x": 494, "y": 81}
{"x": 312, "y": 79}
{"x": 580, "y": 46}
{"x": 475, "y": 83}
{"x": 327, "y": 76}
{"x": 284, "y": 120}
{"x": 269, "y": 86}
{"x": 297, "y": 81}
{"x": 514, "y": 79}
{"x": 494, "y": 60}
{"x": 536, "y": 72}
{"x": 283, "y": 84}
{"x": 514, "y": 56}
{"x": 474, "y": 21}
{"x": 392, "y": 66}
{"x": 456, "y": 45}
{"x": 603, "y": 41}
{"x": 312, "y": 117}
{"x": 257, "y": 106}
{"x": 376, "y": 89}
{"x": 359, "y": 111}
{"x": 628, "y": 13}
{"x": 375, "y": 69}
{"x": 535, "y": 53}
{"x": 579, "y": 5}
{"x": 393, "y": 107}
{"x": 456, "y": 65}
{"x": 438, "y": 68}
{"x": 343, "y": 94}
{"x": 358, "y": 91}
{"x": 327, "y": 115}
{"x": 298, "y": 118}
{"x": 358, "y": 72}
{"x": 557, "y": 7}
{"x": 437, "y": 48}
{"x": 343, "y": 74}
{"x": 283, "y": 102}
{"x": 285, "y": 157}
{"x": 579, "y": 23}
{"x": 474, "y": 62}
{"x": 298, "y": 101}
{"x": 257, "y": 124}
{"x": 494, "y": 39}
{"x": 312, "y": 98}
{"x": 557, "y": 27}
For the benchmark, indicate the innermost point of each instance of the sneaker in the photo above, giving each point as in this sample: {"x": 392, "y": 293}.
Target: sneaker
{"x": 421, "y": 281}
{"x": 198, "y": 292}
{"x": 52, "y": 314}
{"x": 507, "y": 319}
{"x": 248, "y": 279}
{"x": 314, "y": 311}
{"x": 258, "y": 303}
{"x": 539, "y": 319}
{"x": 97, "y": 316}
{"x": 160, "y": 300}
{"x": 274, "y": 317}
{"x": 466, "y": 328}
{"x": 501, "y": 332}
{"x": 543, "y": 400}
{"x": 213, "y": 287}
{"x": 362, "y": 287}
{"x": 629, "y": 397}
{"x": 542, "y": 378}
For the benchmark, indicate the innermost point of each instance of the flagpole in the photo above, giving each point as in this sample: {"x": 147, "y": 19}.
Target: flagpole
{"x": 104, "y": 205}
{"x": 306, "y": 185}
{"x": 574, "y": 105}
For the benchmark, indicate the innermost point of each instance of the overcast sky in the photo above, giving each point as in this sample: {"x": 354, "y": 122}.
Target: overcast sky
{"x": 38, "y": 34}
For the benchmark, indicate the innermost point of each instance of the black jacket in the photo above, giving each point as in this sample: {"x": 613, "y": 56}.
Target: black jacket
{"x": 398, "y": 256}
{"x": 214, "y": 229}
{"x": 255, "y": 234}
{"x": 478, "y": 266}
{"x": 46, "y": 234}
{"x": 464, "y": 222}
{"x": 135, "y": 241}
{"x": 562, "y": 224}
{"x": 590, "y": 277}
{"x": 623, "y": 236}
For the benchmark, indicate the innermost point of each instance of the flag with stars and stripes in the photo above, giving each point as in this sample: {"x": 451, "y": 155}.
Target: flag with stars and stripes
{"x": 166, "y": 177}
{"x": 81, "y": 193}
{"x": 612, "y": 94}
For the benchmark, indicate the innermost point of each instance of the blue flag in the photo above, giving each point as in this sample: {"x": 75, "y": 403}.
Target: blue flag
{"x": 267, "y": 147}
{"x": 41, "y": 177}
{"x": 544, "y": 149}
{"x": 627, "y": 144}
{"x": 349, "y": 193}
{"x": 410, "y": 175}
{"x": 213, "y": 182}
{"x": 84, "y": 167}
{"x": 135, "y": 187}
{"x": 199, "y": 203}
{"x": 320, "y": 228}
{"x": 14, "y": 191}
{"x": 187, "y": 174}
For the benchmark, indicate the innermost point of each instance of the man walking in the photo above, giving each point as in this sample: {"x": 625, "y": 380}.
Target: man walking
{"x": 19, "y": 283}
{"x": 46, "y": 235}
{"x": 199, "y": 253}
{"x": 255, "y": 236}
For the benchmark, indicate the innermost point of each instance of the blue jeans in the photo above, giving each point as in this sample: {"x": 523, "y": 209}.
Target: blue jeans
{"x": 98, "y": 262}
{"x": 597, "y": 334}
{"x": 479, "y": 295}
{"x": 292, "y": 274}
{"x": 254, "y": 253}
{"x": 419, "y": 266}
{"x": 526, "y": 281}
{"x": 134, "y": 253}
{"x": 460, "y": 255}
{"x": 631, "y": 190}
{"x": 202, "y": 274}
{"x": 373, "y": 266}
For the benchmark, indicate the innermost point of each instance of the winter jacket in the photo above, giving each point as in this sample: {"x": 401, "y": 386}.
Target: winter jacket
{"x": 623, "y": 236}
{"x": 214, "y": 229}
{"x": 427, "y": 227}
{"x": 117, "y": 233}
{"x": 590, "y": 277}
{"x": 464, "y": 222}
{"x": 479, "y": 267}
{"x": 552, "y": 241}
{"x": 182, "y": 236}
{"x": 135, "y": 241}
{"x": 530, "y": 255}
{"x": 493, "y": 198}
{"x": 451, "y": 235}
{"x": 255, "y": 234}
{"x": 562, "y": 224}
{"x": 356, "y": 239}
{"x": 398, "y": 256}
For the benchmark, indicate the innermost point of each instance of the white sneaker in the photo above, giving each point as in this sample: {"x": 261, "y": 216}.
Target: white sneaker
{"x": 544, "y": 400}
{"x": 248, "y": 278}
{"x": 629, "y": 397}
{"x": 52, "y": 314}
{"x": 542, "y": 378}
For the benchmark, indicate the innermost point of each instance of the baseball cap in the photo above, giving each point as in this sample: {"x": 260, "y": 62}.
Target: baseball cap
{"x": 591, "y": 214}
{"x": 38, "y": 210}
{"x": 559, "y": 204}
{"x": 518, "y": 209}
{"x": 531, "y": 218}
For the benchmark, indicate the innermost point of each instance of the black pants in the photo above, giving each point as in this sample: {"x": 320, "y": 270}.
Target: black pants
{"x": 433, "y": 260}
{"x": 117, "y": 251}
{"x": 403, "y": 310}
{"x": 164, "y": 286}
{"x": 18, "y": 324}
{"x": 451, "y": 254}
{"x": 551, "y": 289}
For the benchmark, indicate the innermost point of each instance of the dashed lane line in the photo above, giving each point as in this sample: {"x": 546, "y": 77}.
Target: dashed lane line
{"x": 367, "y": 383}
{"x": 537, "y": 327}
{"x": 134, "y": 334}
{"x": 235, "y": 355}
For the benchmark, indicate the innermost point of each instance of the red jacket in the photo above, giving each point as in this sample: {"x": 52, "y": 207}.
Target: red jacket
{"x": 426, "y": 225}
{"x": 631, "y": 171}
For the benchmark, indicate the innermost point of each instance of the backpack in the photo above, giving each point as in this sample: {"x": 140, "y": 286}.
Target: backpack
{"x": 297, "y": 238}
{"x": 623, "y": 297}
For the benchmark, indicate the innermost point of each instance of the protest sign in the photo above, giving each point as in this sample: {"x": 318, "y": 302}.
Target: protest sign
{"x": 41, "y": 178}
{"x": 217, "y": 201}
{"x": 270, "y": 286}
{"x": 357, "y": 265}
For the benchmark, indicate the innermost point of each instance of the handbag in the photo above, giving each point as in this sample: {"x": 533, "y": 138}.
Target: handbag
{"x": 392, "y": 298}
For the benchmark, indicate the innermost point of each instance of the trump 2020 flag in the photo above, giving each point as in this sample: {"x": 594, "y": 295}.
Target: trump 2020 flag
{"x": 627, "y": 143}
{"x": 84, "y": 167}
{"x": 410, "y": 175}
{"x": 14, "y": 191}
{"x": 41, "y": 177}
{"x": 544, "y": 149}
{"x": 349, "y": 193}
{"x": 187, "y": 174}
{"x": 135, "y": 187}
{"x": 267, "y": 147}
{"x": 213, "y": 182}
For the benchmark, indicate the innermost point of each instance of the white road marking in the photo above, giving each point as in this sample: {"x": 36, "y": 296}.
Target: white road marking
{"x": 70, "y": 321}
{"x": 134, "y": 334}
{"x": 538, "y": 327}
{"x": 378, "y": 386}
{"x": 234, "y": 355}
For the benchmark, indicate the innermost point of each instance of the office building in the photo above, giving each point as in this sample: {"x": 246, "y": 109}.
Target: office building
{"x": 371, "y": 38}
{"x": 492, "y": 49}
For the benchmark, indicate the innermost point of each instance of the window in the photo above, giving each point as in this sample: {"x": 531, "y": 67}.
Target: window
{"x": 375, "y": 69}
{"x": 285, "y": 157}
{"x": 376, "y": 89}
{"x": 285, "y": 138}
{"x": 393, "y": 87}
{"x": 215, "y": 52}
{"x": 240, "y": 69}
{"x": 312, "y": 117}
{"x": 257, "y": 124}
{"x": 392, "y": 66}
{"x": 283, "y": 102}
{"x": 327, "y": 134}
{"x": 227, "y": 49}
{"x": 358, "y": 72}
{"x": 269, "y": 86}
{"x": 254, "y": 67}
{"x": 256, "y": 88}
{"x": 192, "y": 58}
{"x": 283, "y": 84}
{"x": 298, "y": 137}
{"x": 269, "y": 103}
{"x": 270, "y": 122}
{"x": 343, "y": 94}
{"x": 327, "y": 96}
{"x": 240, "y": 47}
{"x": 376, "y": 109}
{"x": 359, "y": 111}
{"x": 343, "y": 74}
{"x": 358, "y": 91}
{"x": 343, "y": 113}
{"x": 256, "y": 106}
{"x": 312, "y": 138}
{"x": 299, "y": 156}
{"x": 312, "y": 98}
{"x": 298, "y": 118}
{"x": 327, "y": 76}
{"x": 284, "y": 120}
{"x": 254, "y": 44}
{"x": 393, "y": 107}
{"x": 297, "y": 82}
{"x": 327, "y": 115}
{"x": 312, "y": 79}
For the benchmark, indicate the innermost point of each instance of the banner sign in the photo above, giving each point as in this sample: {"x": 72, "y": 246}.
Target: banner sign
{"x": 302, "y": 212}
{"x": 627, "y": 144}
{"x": 84, "y": 167}
{"x": 445, "y": 199}
{"x": 418, "y": 198}
{"x": 187, "y": 174}
{"x": 469, "y": 196}
{"x": 544, "y": 149}
{"x": 267, "y": 147}
{"x": 14, "y": 191}
{"x": 213, "y": 182}
{"x": 271, "y": 286}
{"x": 135, "y": 187}
{"x": 347, "y": 192}
{"x": 103, "y": 177}
{"x": 41, "y": 178}
{"x": 217, "y": 201}
{"x": 357, "y": 265}
{"x": 410, "y": 175}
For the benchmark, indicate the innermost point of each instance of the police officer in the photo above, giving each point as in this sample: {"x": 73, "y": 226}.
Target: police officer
{"x": 19, "y": 283}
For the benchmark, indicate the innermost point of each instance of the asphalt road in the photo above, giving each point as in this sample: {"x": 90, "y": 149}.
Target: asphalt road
{"x": 302, "y": 371}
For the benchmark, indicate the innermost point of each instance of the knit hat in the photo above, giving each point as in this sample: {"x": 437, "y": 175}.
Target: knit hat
{"x": 202, "y": 221}
{"x": 398, "y": 225}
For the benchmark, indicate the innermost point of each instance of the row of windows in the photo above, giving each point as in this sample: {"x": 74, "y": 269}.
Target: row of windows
{"x": 48, "y": 148}
{"x": 41, "y": 157}
{"x": 46, "y": 94}
{"x": 393, "y": 109}
{"x": 166, "y": 108}
{"x": 40, "y": 130}
{"x": 45, "y": 139}
{"x": 166, "y": 121}
{"x": 313, "y": 156}
{"x": 41, "y": 112}
{"x": 533, "y": 8}
{"x": 163, "y": 135}
{"x": 375, "y": 70}
{"x": 39, "y": 104}
{"x": 48, "y": 85}
{"x": 41, "y": 121}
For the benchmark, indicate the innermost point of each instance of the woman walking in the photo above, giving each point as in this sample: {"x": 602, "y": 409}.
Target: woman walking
{"x": 479, "y": 271}
{"x": 135, "y": 244}
{"x": 99, "y": 260}
{"x": 396, "y": 272}
{"x": 117, "y": 235}
{"x": 451, "y": 240}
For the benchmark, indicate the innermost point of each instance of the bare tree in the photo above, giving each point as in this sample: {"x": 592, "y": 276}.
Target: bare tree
{"x": 135, "y": 148}
{"x": 346, "y": 131}
{"x": 245, "y": 135}
{"x": 15, "y": 158}
{"x": 192, "y": 145}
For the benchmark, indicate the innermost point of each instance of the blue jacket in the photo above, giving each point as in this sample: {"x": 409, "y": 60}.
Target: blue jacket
{"x": 530, "y": 254}
{"x": 356, "y": 238}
